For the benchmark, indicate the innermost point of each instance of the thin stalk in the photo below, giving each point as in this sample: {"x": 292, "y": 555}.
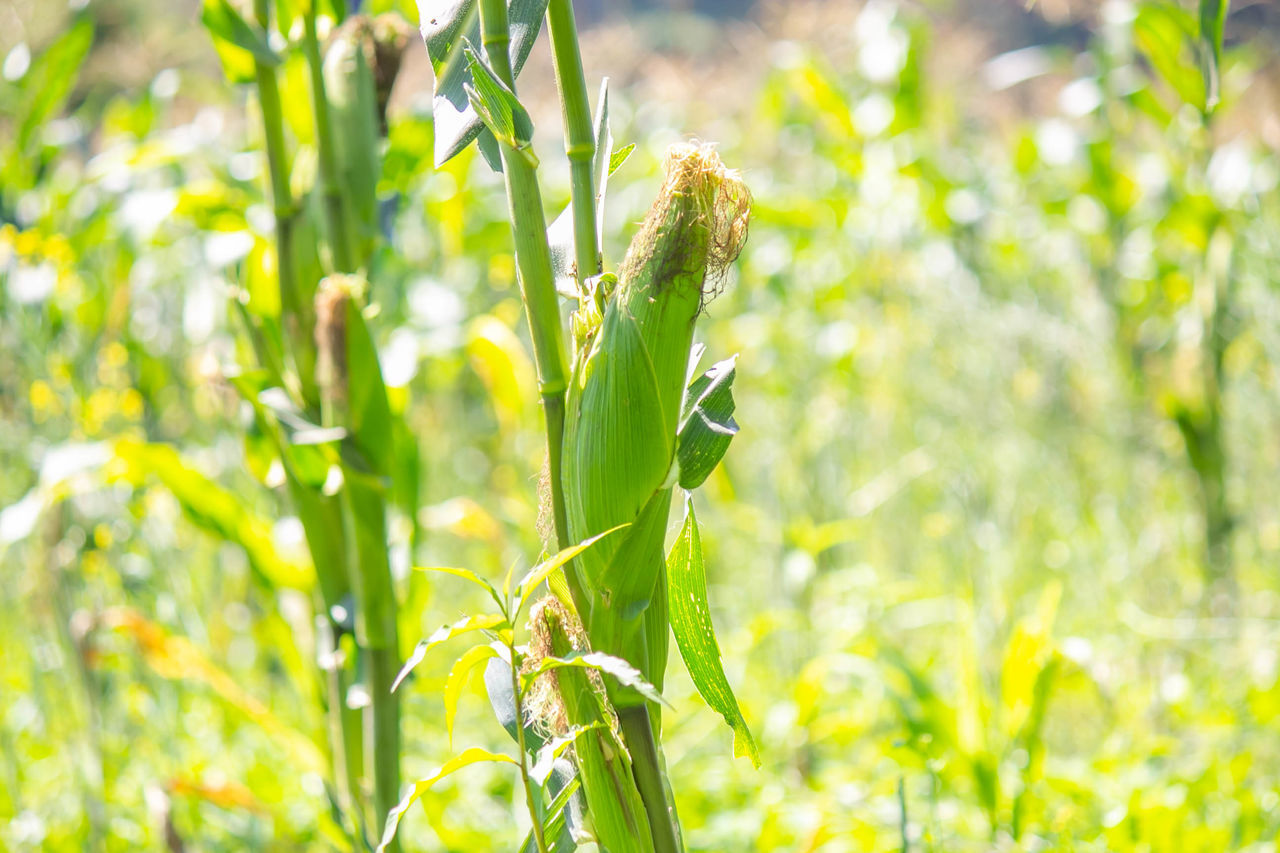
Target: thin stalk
{"x": 537, "y": 282}
{"x": 331, "y": 186}
{"x": 364, "y": 513}
{"x": 539, "y": 836}
{"x": 637, "y": 731}
{"x": 579, "y": 136}
{"x": 277, "y": 166}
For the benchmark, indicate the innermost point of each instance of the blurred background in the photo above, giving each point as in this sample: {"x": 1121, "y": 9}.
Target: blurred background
{"x": 993, "y": 560}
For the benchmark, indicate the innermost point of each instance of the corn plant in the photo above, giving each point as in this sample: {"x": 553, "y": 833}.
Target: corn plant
{"x": 625, "y": 427}
{"x": 314, "y": 384}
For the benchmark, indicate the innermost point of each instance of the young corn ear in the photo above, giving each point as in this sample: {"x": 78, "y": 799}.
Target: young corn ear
{"x": 360, "y": 67}
{"x": 574, "y": 698}
{"x": 625, "y": 398}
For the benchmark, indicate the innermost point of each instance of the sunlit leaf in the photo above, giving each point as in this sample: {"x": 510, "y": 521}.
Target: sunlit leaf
{"x": 457, "y": 680}
{"x": 175, "y": 657}
{"x": 539, "y": 573}
{"x": 224, "y": 22}
{"x": 625, "y": 674}
{"x": 617, "y": 158}
{"x": 445, "y": 25}
{"x": 695, "y": 635}
{"x": 213, "y": 507}
{"x": 469, "y": 756}
{"x": 481, "y": 622}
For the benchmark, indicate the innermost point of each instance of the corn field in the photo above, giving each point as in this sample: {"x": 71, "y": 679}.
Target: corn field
{"x": 474, "y": 425}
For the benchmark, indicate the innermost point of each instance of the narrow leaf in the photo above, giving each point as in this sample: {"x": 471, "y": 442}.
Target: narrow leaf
{"x": 626, "y": 674}
{"x": 469, "y": 756}
{"x": 467, "y": 575}
{"x": 695, "y": 635}
{"x": 620, "y": 156}
{"x": 1213, "y": 18}
{"x": 457, "y": 680}
{"x": 539, "y": 573}
{"x": 444, "y": 633}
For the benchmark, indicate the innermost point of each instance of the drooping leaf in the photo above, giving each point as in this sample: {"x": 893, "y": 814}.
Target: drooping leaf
{"x": 706, "y": 425}
{"x": 479, "y": 622}
{"x": 214, "y": 508}
{"x": 173, "y": 656}
{"x": 457, "y": 680}
{"x": 469, "y": 756}
{"x": 467, "y": 575}
{"x": 499, "y": 108}
{"x": 695, "y": 635}
{"x": 626, "y": 674}
{"x": 445, "y": 24}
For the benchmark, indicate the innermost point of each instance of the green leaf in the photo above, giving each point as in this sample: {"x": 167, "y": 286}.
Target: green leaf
{"x": 695, "y": 635}
{"x": 497, "y": 682}
{"x": 562, "y": 815}
{"x": 445, "y": 24}
{"x": 52, "y": 77}
{"x": 1167, "y": 35}
{"x": 539, "y": 573}
{"x": 467, "y": 575}
{"x": 706, "y": 425}
{"x": 226, "y": 24}
{"x": 214, "y": 508}
{"x": 499, "y": 108}
{"x": 370, "y": 426}
{"x": 479, "y": 622}
{"x": 457, "y": 680}
{"x": 469, "y": 756}
{"x": 297, "y": 428}
{"x": 620, "y": 156}
{"x": 1213, "y": 17}
{"x": 626, "y": 674}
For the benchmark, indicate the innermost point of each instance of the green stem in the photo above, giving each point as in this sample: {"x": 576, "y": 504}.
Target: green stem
{"x": 580, "y": 142}
{"x": 537, "y": 282}
{"x": 539, "y": 836}
{"x": 331, "y": 186}
{"x": 637, "y": 731}
{"x": 277, "y": 166}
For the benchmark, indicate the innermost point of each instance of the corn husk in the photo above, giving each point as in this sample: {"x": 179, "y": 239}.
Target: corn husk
{"x": 625, "y": 398}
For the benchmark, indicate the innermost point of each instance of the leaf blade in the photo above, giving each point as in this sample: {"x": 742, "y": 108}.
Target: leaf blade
{"x": 695, "y": 635}
{"x": 469, "y": 756}
{"x": 444, "y": 633}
